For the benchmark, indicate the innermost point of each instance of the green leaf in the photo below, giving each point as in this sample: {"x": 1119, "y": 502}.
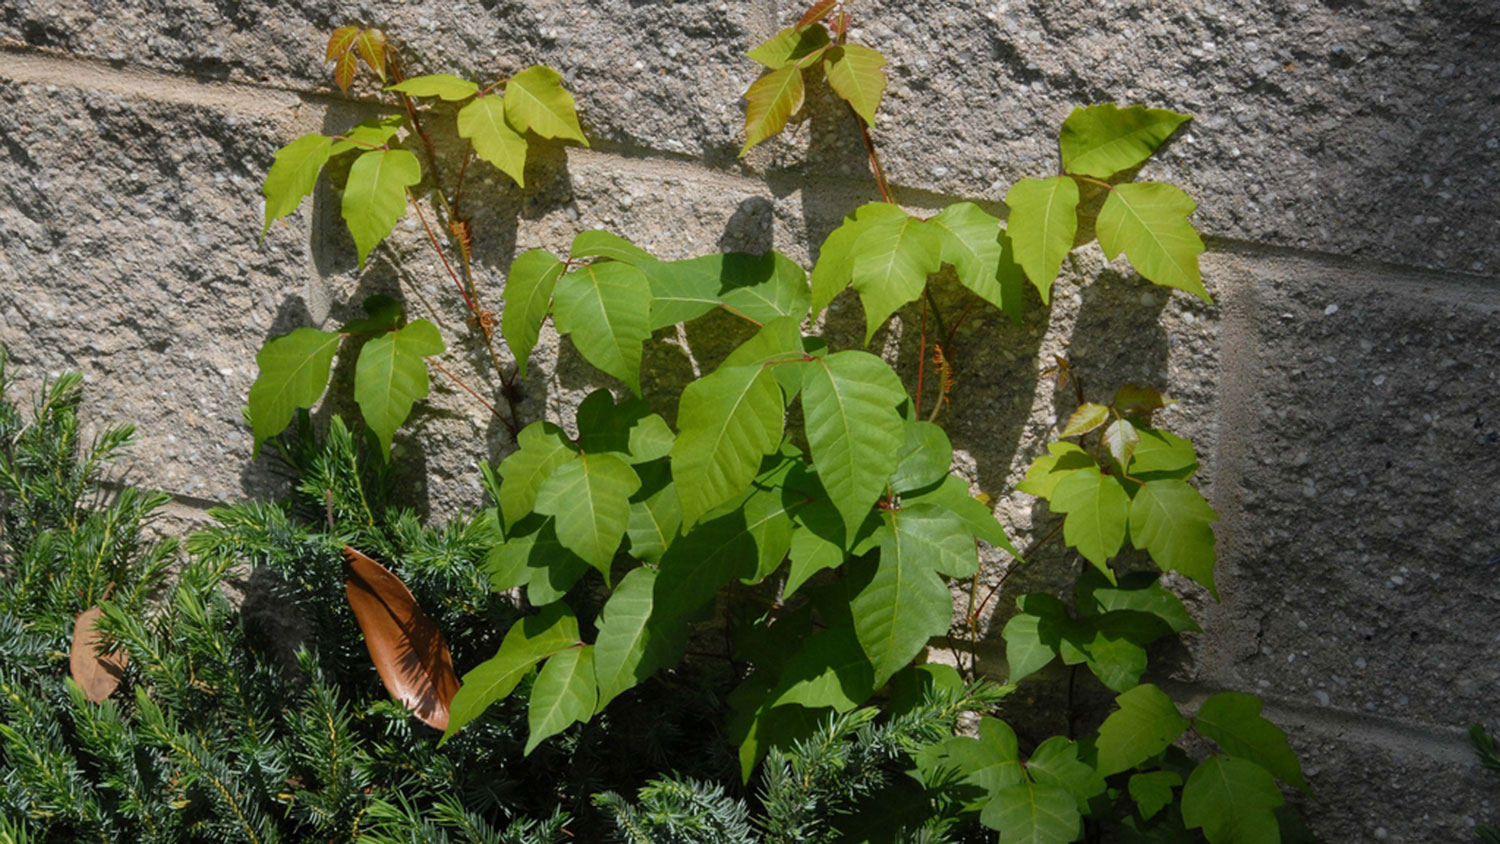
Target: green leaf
{"x": 835, "y": 266}
{"x": 1061, "y": 460}
{"x": 1114, "y": 658}
{"x": 892, "y": 260}
{"x": 1102, "y": 140}
{"x": 789, "y": 46}
{"x": 535, "y": 100}
{"x": 369, "y": 134}
{"x": 1055, "y": 762}
{"x": 987, "y": 764}
{"x": 727, "y": 422}
{"x": 692, "y": 571}
{"x": 564, "y": 693}
{"x": 528, "y": 297}
{"x": 1144, "y": 725}
{"x": 1148, "y": 222}
{"x": 849, "y": 402}
{"x": 1086, "y": 418}
{"x": 936, "y": 536}
{"x": 294, "y": 373}
{"x": 495, "y": 140}
{"x": 597, "y": 243}
{"x": 828, "y": 670}
{"x": 1152, "y": 791}
{"x": 1097, "y": 508}
{"x": 979, "y": 522}
{"x": 391, "y": 375}
{"x": 385, "y": 314}
{"x": 1162, "y": 453}
{"x": 904, "y": 604}
{"x": 1033, "y": 637}
{"x": 443, "y": 85}
{"x": 770, "y": 101}
{"x": 620, "y": 648}
{"x": 1138, "y": 592}
{"x": 982, "y": 254}
{"x": 779, "y": 340}
{"x": 1043, "y": 222}
{"x": 924, "y": 459}
{"x": 654, "y": 523}
{"x": 763, "y": 287}
{"x": 1232, "y": 800}
{"x": 293, "y": 175}
{"x": 854, "y": 73}
{"x": 590, "y": 497}
{"x": 605, "y": 310}
{"x": 1171, "y": 520}
{"x": 682, "y": 291}
{"x": 375, "y": 195}
{"x": 1121, "y": 439}
{"x": 817, "y": 543}
{"x": 542, "y": 447}
{"x": 1233, "y": 720}
{"x": 628, "y": 429}
{"x": 768, "y": 518}
{"x": 528, "y": 642}
{"x": 1031, "y": 813}
{"x": 532, "y": 556}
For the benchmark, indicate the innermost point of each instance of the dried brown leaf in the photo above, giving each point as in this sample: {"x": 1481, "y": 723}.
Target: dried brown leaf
{"x": 97, "y": 674}
{"x": 407, "y": 648}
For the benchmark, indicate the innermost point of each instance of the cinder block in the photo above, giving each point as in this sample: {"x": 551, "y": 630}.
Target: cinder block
{"x": 1358, "y": 451}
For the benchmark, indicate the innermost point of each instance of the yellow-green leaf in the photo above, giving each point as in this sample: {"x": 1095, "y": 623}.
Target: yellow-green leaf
{"x": 495, "y": 140}
{"x": 391, "y": 375}
{"x": 854, "y": 72}
{"x": 1102, "y": 140}
{"x": 726, "y": 422}
{"x": 528, "y": 296}
{"x": 443, "y": 85}
{"x": 605, "y": 309}
{"x": 293, "y": 373}
{"x": 892, "y": 260}
{"x": 1171, "y": 520}
{"x": 294, "y": 174}
{"x": 590, "y": 498}
{"x": 536, "y": 100}
{"x": 1148, "y": 222}
{"x": 789, "y": 45}
{"x": 1043, "y": 222}
{"x": 771, "y": 100}
{"x": 375, "y": 195}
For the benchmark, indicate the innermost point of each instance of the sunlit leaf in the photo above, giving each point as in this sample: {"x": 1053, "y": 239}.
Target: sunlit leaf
{"x": 789, "y": 45}
{"x": 1098, "y": 508}
{"x": 835, "y": 266}
{"x": 375, "y": 195}
{"x": 294, "y": 373}
{"x": 905, "y": 602}
{"x": 597, "y": 243}
{"x": 528, "y": 642}
{"x": 855, "y": 73}
{"x": 391, "y": 375}
{"x": 849, "y": 402}
{"x": 371, "y": 47}
{"x": 1086, "y": 418}
{"x": 294, "y": 174}
{"x": 770, "y": 101}
{"x": 892, "y": 260}
{"x": 1144, "y": 725}
{"x": 1174, "y": 523}
{"x": 1043, "y": 221}
{"x": 528, "y": 296}
{"x": 982, "y": 254}
{"x": 541, "y": 448}
{"x": 340, "y": 41}
{"x": 621, "y": 646}
{"x": 605, "y": 309}
{"x": 1148, "y": 222}
{"x": 564, "y": 694}
{"x": 536, "y": 100}
{"x": 442, "y": 85}
{"x": 726, "y": 422}
{"x": 495, "y": 140}
{"x": 590, "y": 498}
{"x": 1101, "y": 140}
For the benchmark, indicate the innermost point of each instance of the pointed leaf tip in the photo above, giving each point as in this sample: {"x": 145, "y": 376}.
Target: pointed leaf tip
{"x": 406, "y": 646}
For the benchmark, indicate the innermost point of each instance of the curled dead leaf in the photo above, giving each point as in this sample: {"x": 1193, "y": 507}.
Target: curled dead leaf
{"x": 406, "y": 646}
{"x": 97, "y": 674}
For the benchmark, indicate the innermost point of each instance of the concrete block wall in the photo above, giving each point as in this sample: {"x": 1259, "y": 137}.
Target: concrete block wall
{"x": 1344, "y": 387}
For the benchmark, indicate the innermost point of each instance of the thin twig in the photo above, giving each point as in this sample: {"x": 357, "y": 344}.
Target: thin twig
{"x": 1020, "y": 561}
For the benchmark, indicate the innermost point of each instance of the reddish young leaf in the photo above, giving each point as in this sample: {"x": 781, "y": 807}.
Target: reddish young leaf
{"x": 97, "y": 674}
{"x": 340, "y": 42}
{"x": 343, "y": 72}
{"x": 371, "y": 46}
{"x": 406, "y": 646}
{"x": 817, "y": 12}
{"x": 841, "y": 24}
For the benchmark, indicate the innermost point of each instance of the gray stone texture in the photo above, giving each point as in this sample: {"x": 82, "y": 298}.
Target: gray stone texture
{"x": 1341, "y": 390}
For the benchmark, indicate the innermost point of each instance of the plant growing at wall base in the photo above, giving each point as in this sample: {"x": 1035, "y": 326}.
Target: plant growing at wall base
{"x": 833, "y": 548}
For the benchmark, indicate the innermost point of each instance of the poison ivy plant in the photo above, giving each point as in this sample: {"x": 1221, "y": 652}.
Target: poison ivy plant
{"x": 804, "y": 495}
